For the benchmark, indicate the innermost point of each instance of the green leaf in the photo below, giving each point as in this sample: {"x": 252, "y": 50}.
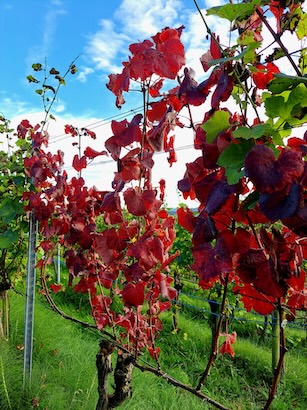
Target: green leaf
{"x": 215, "y": 125}
{"x": 73, "y": 69}
{"x": 52, "y": 117}
{"x": 283, "y": 82}
{"x": 301, "y": 30}
{"x": 10, "y": 209}
{"x": 31, "y": 79}
{"x": 257, "y": 131}
{"x": 61, "y": 79}
{"x": 37, "y": 67}
{"x": 49, "y": 87}
{"x": 232, "y": 159}
{"x": 231, "y": 12}
{"x": 40, "y": 92}
{"x": 8, "y": 238}
{"x": 53, "y": 71}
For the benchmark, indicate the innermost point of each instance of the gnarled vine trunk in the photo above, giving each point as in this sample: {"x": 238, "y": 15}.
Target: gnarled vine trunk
{"x": 122, "y": 377}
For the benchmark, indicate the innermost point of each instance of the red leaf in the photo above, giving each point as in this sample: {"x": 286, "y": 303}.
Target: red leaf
{"x": 149, "y": 252}
{"x": 133, "y": 294}
{"x": 189, "y": 91}
{"x": 91, "y": 153}
{"x": 56, "y": 287}
{"x": 119, "y": 83}
{"x": 264, "y": 74}
{"x": 79, "y": 163}
{"x": 269, "y": 174}
{"x": 227, "y": 345}
{"x": 214, "y": 47}
{"x": 252, "y": 299}
{"x": 186, "y": 219}
{"x": 154, "y": 90}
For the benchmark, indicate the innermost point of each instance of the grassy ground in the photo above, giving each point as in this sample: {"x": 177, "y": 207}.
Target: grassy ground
{"x": 64, "y": 373}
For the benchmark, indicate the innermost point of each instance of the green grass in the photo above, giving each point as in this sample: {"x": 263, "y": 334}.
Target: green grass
{"x": 64, "y": 372}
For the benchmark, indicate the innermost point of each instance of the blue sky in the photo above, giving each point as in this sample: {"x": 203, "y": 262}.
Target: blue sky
{"x": 99, "y": 32}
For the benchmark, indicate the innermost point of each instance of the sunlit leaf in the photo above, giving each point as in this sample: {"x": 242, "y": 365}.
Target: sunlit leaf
{"x": 233, "y": 12}
{"x": 216, "y": 124}
{"x": 31, "y": 79}
{"x": 37, "y": 67}
{"x": 60, "y": 79}
{"x": 53, "y": 71}
{"x": 283, "y": 82}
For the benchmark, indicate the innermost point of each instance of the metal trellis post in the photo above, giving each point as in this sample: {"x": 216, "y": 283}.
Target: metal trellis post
{"x": 29, "y": 306}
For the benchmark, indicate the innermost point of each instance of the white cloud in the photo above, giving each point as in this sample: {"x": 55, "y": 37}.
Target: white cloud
{"x": 11, "y": 106}
{"x": 105, "y": 45}
{"x": 147, "y": 17}
{"x": 133, "y": 21}
{"x": 83, "y": 73}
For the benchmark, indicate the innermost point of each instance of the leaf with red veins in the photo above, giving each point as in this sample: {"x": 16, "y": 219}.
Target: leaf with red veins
{"x": 227, "y": 345}
{"x": 168, "y": 43}
{"x": 205, "y": 264}
{"x": 119, "y": 83}
{"x": 264, "y": 75}
{"x": 56, "y": 287}
{"x": 254, "y": 300}
{"x": 91, "y": 153}
{"x": 79, "y": 163}
{"x": 133, "y": 294}
{"x": 186, "y": 219}
{"x": 269, "y": 174}
{"x": 189, "y": 92}
{"x": 149, "y": 252}
{"x": 154, "y": 90}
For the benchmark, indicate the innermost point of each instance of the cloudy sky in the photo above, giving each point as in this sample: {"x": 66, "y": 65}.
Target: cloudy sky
{"x": 98, "y": 33}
